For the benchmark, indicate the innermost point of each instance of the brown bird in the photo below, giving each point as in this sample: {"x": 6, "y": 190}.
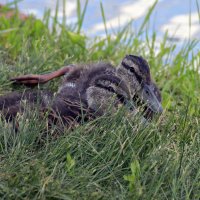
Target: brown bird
{"x": 89, "y": 98}
{"x": 134, "y": 70}
{"x": 92, "y": 88}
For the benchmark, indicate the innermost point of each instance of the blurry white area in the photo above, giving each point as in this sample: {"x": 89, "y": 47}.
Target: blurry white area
{"x": 126, "y": 13}
{"x": 180, "y": 18}
{"x": 183, "y": 26}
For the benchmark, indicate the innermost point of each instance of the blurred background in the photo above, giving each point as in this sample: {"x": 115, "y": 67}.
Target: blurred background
{"x": 180, "y": 19}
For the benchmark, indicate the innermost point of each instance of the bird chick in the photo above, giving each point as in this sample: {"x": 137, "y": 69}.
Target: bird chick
{"x": 133, "y": 70}
{"x": 93, "y": 95}
{"x": 95, "y": 87}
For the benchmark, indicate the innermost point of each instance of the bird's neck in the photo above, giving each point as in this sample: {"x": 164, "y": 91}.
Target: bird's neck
{"x": 123, "y": 74}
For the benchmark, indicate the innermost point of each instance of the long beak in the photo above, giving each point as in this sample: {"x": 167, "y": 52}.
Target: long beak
{"x": 148, "y": 97}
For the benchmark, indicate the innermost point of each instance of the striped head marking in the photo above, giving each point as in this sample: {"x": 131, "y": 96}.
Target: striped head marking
{"x": 114, "y": 85}
{"x": 138, "y": 67}
{"x": 137, "y": 72}
{"x": 107, "y": 91}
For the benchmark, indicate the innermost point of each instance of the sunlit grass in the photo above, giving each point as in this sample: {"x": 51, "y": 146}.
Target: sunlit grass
{"x": 109, "y": 158}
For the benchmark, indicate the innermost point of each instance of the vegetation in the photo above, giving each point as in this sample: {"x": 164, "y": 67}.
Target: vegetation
{"x": 109, "y": 158}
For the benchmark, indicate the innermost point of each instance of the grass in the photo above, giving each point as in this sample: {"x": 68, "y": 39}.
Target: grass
{"x": 111, "y": 157}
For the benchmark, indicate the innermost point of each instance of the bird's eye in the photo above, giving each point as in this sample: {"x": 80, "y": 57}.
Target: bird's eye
{"x": 147, "y": 92}
{"x": 131, "y": 71}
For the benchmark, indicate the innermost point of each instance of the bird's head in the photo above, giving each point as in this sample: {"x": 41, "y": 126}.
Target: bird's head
{"x": 136, "y": 72}
{"x": 105, "y": 91}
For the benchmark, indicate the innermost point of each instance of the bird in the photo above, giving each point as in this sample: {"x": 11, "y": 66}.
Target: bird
{"x": 89, "y": 90}
{"x": 90, "y": 98}
{"x": 134, "y": 70}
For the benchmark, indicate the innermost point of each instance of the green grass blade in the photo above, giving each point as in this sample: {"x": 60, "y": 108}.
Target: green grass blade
{"x": 198, "y": 9}
{"x": 64, "y": 20}
{"x": 55, "y": 18}
{"x": 147, "y": 17}
{"x": 81, "y": 14}
{"x": 104, "y": 18}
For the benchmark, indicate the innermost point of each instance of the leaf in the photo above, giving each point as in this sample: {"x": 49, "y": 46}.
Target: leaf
{"x": 70, "y": 163}
{"x": 77, "y": 38}
{"x": 134, "y": 177}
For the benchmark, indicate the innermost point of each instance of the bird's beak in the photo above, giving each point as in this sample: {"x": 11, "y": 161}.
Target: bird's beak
{"x": 148, "y": 97}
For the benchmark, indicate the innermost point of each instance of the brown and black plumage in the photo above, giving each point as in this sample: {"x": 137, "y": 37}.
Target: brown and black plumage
{"x": 88, "y": 97}
{"x": 91, "y": 88}
{"x": 95, "y": 89}
{"x": 135, "y": 72}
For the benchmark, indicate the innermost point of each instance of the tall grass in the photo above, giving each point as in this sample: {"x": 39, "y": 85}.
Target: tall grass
{"x": 112, "y": 157}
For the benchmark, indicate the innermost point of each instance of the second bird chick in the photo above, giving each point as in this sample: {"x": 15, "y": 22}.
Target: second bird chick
{"x": 96, "y": 87}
